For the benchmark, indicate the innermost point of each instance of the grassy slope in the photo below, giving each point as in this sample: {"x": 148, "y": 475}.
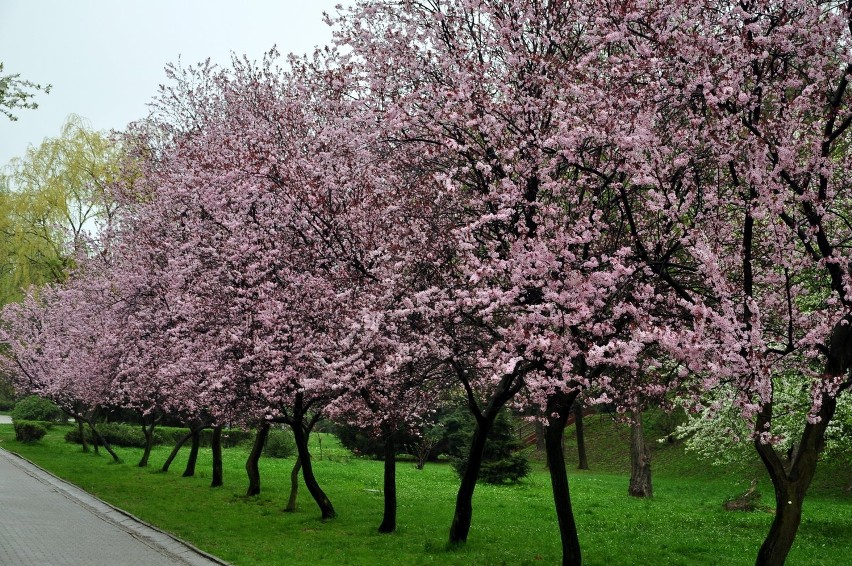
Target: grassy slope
{"x": 683, "y": 524}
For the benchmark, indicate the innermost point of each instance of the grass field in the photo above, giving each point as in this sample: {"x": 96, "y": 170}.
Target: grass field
{"x": 683, "y": 524}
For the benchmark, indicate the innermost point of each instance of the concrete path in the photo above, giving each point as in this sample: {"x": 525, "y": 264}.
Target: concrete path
{"x": 45, "y": 521}
{"x": 5, "y": 419}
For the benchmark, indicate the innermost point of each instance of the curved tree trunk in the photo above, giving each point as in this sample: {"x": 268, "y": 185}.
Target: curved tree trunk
{"x": 558, "y": 410}
{"x": 463, "y": 515}
{"x": 252, "y": 467}
{"x": 322, "y": 500}
{"x": 193, "y": 453}
{"x": 640, "y": 460}
{"x": 216, "y": 445}
{"x": 97, "y": 438}
{"x": 175, "y": 451}
{"x": 294, "y": 486}
{"x": 581, "y": 438}
{"x": 148, "y": 431}
{"x": 508, "y": 387}
{"x": 791, "y": 482}
{"x": 389, "y": 520}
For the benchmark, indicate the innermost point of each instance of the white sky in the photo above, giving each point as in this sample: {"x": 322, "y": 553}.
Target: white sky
{"x": 105, "y": 58}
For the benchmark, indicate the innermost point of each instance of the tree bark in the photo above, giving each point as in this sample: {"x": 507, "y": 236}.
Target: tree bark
{"x": 82, "y": 429}
{"x": 581, "y": 438}
{"x": 175, "y": 451}
{"x": 294, "y": 486}
{"x": 322, "y": 500}
{"x": 463, "y": 515}
{"x": 148, "y": 431}
{"x": 640, "y": 460}
{"x": 509, "y": 385}
{"x": 216, "y": 445}
{"x": 193, "y": 453}
{"x": 559, "y": 409}
{"x": 791, "y": 482}
{"x": 252, "y": 467}
{"x": 97, "y": 438}
{"x": 389, "y": 520}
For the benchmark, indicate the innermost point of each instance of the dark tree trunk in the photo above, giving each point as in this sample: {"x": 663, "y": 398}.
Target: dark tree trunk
{"x": 559, "y": 409}
{"x": 193, "y": 454}
{"x": 464, "y": 499}
{"x": 216, "y": 445}
{"x": 82, "y": 430}
{"x": 175, "y": 451}
{"x": 294, "y": 486}
{"x": 509, "y": 385}
{"x": 148, "y": 431}
{"x": 96, "y": 446}
{"x": 97, "y": 438}
{"x": 640, "y": 460}
{"x": 791, "y": 482}
{"x": 322, "y": 500}
{"x": 581, "y": 438}
{"x": 389, "y": 520}
{"x": 252, "y": 468}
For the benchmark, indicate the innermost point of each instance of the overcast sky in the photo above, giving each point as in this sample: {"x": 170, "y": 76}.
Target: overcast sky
{"x": 105, "y": 58}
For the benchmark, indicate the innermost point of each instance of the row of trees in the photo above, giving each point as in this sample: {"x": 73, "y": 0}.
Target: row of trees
{"x": 519, "y": 201}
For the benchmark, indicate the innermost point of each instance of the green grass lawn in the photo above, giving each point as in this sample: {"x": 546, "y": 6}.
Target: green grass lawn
{"x": 683, "y": 524}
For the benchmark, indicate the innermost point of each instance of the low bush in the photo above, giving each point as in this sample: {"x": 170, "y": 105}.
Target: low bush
{"x": 279, "y": 444}
{"x": 120, "y": 434}
{"x": 29, "y": 431}
{"x": 35, "y": 408}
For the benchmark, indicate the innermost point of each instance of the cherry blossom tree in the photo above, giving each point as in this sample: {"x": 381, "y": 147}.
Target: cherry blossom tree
{"x": 734, "y": 182}
{"x": 539, "y": 297}
{"x": 60, "y": 348}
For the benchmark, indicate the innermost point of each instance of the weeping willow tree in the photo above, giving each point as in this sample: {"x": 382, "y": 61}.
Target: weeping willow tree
{"x": 53, "y": 205}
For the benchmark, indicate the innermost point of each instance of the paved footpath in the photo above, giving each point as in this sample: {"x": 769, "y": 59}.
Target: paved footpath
{"x": 45, "y": 521}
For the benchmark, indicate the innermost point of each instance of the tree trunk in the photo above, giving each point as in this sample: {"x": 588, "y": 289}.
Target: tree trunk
{"x": 464, "y": 499}
{"x": 148, "y": 431}
{"x": 581, "y": 438}
{"x": 389, "y": 520}
{"x": 640, "y": 460}
{"x": 82, "y": 429}
{"x": 193, "y": 454}
{"x": 559, "y": 480}
{"x": 216, "y": 445}
{"x": 96, "y": 446}
{"x": 301, "y": 437}
{"x": 785, "y": 524}
{"x": 790, "y": 483}
{"x": 97, "y": 438}
{"x": 252, "y": 468}
{"x": 294, "y": 486}
{"x": 175, "y": 451}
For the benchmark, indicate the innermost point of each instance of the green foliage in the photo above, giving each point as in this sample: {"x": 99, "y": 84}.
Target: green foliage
{"x": 501, "y": 463}
{"x": 120, "y": 434}
{"x": 29, "y": 431}
{"x": 51, "y": 203}
{"x": 35, "y": 408}
{"x": 279, "y": 444}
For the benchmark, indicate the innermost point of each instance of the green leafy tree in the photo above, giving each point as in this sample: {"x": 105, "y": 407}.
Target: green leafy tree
{"x": 53, "y": 204}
